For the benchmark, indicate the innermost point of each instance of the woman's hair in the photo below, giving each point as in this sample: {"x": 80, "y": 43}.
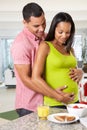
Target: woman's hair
{"x": 31, "y": 9}
{"x": 61, "y": 17}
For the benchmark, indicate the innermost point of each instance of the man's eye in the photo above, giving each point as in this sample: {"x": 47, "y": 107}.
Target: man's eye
{"x": 36, "y": 26}
{"x": 68, "y": 33}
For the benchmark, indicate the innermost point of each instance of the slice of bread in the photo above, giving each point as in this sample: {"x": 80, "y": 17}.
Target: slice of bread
{"x": 64, "y": 118}
{"x": 70, "y": 118}
{"x": 60, "y": 118}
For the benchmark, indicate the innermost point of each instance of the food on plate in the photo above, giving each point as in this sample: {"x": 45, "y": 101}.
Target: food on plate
{"x": 60, "y": 118}
{"x": 77, "y": 106}
{"x": 63, "y": 118}
{"x": 77, "y": 109}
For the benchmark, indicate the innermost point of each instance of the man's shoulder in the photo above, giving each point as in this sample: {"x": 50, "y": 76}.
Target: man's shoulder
{"x": 20, "y": 36}
{"x": 22, "y": 42}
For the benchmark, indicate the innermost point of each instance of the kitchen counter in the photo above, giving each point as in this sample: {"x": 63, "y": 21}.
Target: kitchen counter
{"x": 31, "y": 122}
{"x": 3, "y": 121}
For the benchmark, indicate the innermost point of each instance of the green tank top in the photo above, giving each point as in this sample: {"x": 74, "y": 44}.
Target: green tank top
{"x": 57, "y": 73}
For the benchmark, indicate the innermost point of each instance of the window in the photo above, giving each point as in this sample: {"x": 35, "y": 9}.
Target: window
{"x": 78, "y": 47}
{"x": 5, "y": 56}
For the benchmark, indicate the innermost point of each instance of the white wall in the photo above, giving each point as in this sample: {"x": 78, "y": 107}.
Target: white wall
{"x": 11, "y": 16}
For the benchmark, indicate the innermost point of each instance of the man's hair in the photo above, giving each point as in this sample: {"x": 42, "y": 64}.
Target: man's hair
{"x": 31, "y": 9}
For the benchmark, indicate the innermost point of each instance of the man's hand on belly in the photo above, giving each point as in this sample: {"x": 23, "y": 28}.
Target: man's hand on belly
{"x": 60, "y": 90}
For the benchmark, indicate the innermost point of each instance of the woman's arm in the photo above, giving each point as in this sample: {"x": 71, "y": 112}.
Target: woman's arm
{"x": 76, "y": 73}
{"x": 37, "y": 76}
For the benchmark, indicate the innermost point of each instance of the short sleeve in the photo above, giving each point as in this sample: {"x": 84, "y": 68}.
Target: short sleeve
{"x": 20, "y": 54}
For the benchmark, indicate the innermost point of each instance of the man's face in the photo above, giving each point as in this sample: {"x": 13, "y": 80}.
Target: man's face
{"x": 37, "y": 25}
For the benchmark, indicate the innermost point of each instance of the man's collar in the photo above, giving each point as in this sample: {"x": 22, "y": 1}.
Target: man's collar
{"x": 29, "y": 34}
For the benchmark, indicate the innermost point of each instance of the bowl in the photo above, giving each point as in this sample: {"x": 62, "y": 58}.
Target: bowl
{"x": 77, "y": 109}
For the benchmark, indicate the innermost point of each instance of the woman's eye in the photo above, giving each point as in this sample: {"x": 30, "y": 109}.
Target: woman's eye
{"x": 60, "y": 32}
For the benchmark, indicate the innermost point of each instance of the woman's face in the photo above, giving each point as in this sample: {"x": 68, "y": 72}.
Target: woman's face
{"x": 62, "y": 32}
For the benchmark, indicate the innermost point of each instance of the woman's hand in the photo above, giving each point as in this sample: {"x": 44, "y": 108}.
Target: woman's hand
{"x": 76, "y": 74}
{"x": 66, "y": 97}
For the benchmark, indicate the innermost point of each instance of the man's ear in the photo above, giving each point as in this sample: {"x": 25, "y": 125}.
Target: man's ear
{"x": 25, "y": 23}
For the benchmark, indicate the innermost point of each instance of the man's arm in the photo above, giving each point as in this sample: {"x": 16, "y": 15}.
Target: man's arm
{"x": 24, "y": 74}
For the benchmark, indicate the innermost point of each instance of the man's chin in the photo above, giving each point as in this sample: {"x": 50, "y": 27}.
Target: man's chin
{"x": 40, "y": 36}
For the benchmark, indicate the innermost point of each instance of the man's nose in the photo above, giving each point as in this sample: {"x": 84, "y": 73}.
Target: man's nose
{"x": 41, "y": 28}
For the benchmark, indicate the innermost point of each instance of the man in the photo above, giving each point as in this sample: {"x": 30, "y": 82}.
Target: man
{"x": 28, "y": 94}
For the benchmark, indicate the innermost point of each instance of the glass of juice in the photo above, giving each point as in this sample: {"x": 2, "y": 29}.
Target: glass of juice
{"x": 43, "y": 112}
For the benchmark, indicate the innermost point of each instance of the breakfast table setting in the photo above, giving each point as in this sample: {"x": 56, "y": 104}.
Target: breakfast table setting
{"x": 34, "y": 121}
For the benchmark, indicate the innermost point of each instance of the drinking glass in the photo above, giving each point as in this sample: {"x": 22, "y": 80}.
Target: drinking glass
{"x": 43, "y": 112}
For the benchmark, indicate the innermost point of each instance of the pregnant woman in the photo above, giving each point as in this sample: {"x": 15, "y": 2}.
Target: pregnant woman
{"x": 55, "y": 60}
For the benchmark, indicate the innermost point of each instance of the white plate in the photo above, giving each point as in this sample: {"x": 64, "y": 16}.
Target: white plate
{"x": 51, "y": 118}
{"x": 83, "y": 121}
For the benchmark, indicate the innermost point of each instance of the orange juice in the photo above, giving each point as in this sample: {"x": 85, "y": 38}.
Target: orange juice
{"x": 43, "y": 112}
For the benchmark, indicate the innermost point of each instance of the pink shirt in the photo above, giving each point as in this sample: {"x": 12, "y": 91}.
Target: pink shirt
{"x": 23, "y": 52}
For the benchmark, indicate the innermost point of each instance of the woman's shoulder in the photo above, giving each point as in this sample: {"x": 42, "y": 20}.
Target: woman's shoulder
{"x": 44, "y": 44}
{"x": 44, "y": 47}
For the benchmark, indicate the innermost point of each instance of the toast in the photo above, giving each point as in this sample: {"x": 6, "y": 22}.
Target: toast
{"x": 64, "y": 118}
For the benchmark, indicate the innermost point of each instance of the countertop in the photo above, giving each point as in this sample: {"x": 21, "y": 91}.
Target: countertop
{"x": 31, "y": 122}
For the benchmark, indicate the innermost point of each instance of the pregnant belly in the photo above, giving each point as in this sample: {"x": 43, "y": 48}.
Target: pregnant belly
{"x": 62, "y": 78}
